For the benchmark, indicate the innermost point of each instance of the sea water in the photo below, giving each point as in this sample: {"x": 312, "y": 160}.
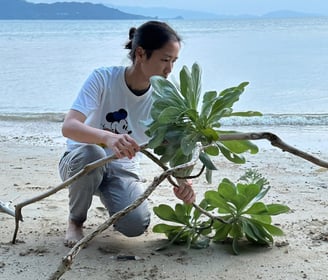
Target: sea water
{"x": 44, "y": 63}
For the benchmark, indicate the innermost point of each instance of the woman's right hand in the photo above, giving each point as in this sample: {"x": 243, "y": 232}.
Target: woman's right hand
{"x": 123, "y": 145}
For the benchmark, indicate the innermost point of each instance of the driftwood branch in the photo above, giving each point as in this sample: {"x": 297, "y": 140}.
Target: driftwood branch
{"x": 275, "y": 141}
{"x": 5, "y": 207}
{"x": 88, "y": 168}
{"x": 69, "y": 258}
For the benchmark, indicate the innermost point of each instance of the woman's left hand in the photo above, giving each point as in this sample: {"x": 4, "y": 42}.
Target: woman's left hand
{"x": 185, "y": 191}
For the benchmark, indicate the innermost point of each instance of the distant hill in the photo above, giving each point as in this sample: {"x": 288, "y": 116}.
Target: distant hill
{"x": 288, "y": 14}
{"x": 21, "y": 9}
{"x": 169, "y": 13}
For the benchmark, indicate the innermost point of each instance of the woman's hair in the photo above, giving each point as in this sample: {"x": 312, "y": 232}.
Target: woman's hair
{"x": 152, "y": 35}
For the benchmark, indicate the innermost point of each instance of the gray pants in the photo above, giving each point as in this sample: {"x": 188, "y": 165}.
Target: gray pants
{"x": 116, "y": 186}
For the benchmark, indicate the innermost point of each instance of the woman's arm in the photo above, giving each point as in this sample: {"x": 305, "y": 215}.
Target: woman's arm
{"x": 74, "y": 127}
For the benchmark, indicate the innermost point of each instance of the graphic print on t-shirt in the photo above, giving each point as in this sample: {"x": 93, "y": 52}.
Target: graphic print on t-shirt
{"x": 117, "y": 122}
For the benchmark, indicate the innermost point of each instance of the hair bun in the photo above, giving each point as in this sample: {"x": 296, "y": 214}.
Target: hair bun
{"x": 132, "y": 31}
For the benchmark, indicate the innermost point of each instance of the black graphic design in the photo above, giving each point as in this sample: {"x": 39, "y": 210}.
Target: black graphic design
{"x": 117, "y": 122}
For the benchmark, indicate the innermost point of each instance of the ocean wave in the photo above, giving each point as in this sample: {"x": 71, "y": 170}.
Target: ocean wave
{"x": 279, "y": 119}
{"x": 26, "y": 117}
{"x": 267, "y": 119}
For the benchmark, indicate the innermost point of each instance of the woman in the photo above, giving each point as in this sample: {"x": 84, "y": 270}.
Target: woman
{"x": 105, "y": 119}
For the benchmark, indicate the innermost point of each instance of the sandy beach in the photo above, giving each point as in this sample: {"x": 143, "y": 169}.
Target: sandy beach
{"x": 29, "y": 156}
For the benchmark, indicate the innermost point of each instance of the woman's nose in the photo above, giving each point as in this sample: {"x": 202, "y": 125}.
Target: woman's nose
{"x": 169, "y": 68}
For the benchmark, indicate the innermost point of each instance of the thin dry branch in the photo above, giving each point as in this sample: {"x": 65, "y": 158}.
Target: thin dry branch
{"x": 69, "y": 258}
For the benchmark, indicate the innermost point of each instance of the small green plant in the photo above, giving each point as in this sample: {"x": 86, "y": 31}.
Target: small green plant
{"x": 241, "y": 215}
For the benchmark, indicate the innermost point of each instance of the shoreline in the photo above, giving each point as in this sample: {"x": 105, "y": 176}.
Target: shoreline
{"x": 44, "y": 132}
{"x": 28, "y": 167}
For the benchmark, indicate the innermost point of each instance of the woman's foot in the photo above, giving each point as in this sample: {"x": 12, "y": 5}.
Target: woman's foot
{"x": 73, "y": 234}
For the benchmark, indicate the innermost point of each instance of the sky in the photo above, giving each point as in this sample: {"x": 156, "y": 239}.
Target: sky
{"x": 222, "y": 7}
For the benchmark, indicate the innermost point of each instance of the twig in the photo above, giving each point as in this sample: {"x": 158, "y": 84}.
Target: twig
{"x": 69, "y": 258}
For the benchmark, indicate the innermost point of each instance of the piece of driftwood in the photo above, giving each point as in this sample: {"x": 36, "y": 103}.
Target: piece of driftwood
{"x": 5, "y": 207}
{"x": 69, "y": 258}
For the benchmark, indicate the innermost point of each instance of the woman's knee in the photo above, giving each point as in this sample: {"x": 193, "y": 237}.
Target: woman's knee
{"x": 135, "y": 223}
{"x": 86, "y": 155}
{"x": 91, "y": 152}
{"x": 77, "y": 159}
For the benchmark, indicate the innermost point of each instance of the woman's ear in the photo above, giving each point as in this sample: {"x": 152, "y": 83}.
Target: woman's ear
{"x": 140, "y": 54}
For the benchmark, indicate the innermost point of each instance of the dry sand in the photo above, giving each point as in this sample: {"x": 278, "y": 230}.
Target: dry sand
{"x": 28, "y": 167}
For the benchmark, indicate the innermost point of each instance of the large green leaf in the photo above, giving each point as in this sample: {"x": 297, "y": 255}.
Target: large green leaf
{"x": 273, "y": 230}
{"x": 227, "y": 190}
{"x": 212, "y": 150}
{"x": 185, "y": 81}
{"x": 196, "y": 82}
{"x": 221, "y": 231}
{"x": 190, "y": 85}
{"x": 158, "y": 137}
{"x": 263, "y": 218}
{"x": 238, "y": 146}
{"x": 183, "y": 213}
{"x": 227, "y": 98}
{"x": 169, "y": 115}
{"x": 165, "y": 212}
{"x": 208, "y": 100}
{"x": 210, "y": 134}
{"x": 276, "y": 209}
{"x": 188, "y": 143}
{"x": 255, "y": 232}
{"x": 256, "y": 208}
{"x": 249, "y": 230}
{"x": 163, "y": 88}
{"x": 230, "y": 155}
{"x": 164, "y": 228}
{"x": 214, "y": 199}
{"x": 206, "y": 160}
{"x": 249, "y": 191}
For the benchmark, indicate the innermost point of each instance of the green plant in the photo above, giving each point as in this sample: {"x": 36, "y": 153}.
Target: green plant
{"x": 192, "y": 230}
{"x": 179, "y": 121}
{"x": 241, "y": 214}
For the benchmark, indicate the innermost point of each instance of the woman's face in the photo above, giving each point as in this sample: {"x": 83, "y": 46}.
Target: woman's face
{"x": 161, "y": 61}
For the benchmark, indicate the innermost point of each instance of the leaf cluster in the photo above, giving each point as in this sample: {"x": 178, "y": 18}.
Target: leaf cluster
{"x": 180, "y": 120}
{"x": 242, "y": 215}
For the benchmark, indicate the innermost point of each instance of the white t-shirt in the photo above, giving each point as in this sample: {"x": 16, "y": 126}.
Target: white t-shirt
{"x": 109, "y": 104}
